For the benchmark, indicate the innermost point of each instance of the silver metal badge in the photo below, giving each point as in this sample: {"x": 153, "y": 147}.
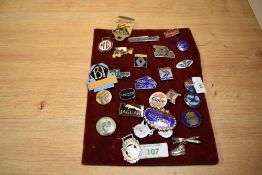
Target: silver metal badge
{"x": 142, "y": 130}
{"x": 140, "y": 60}
{"x": 184, "y": 64}
{"x": 143, "y": 38}
{"x": 165, "y": 73}
{"x": 105, "y": 126}
{"x": 131, "y": 110}
{"x": 163, "y": 51}
{"x": 166, "y": 134}
{"x": 131, "y": 149}
{"x": 181, "y": 149}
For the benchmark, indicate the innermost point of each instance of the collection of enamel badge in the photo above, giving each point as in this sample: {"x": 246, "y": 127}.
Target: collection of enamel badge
{"x": 156, "y": 117}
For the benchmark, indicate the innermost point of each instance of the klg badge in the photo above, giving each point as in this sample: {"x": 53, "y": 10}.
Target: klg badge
{"x": 105, "y": 45}
{"x": 123, "y": 28}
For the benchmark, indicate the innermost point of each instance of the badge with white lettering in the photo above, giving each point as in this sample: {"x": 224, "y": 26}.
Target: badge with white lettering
{"x": 184, "y": 64}
{"x": 103, "y": 97}
{"x": 140, "y": 60}
{"x": 172, "y": 96}
{"x": 182, "y": 45}
{"x": 119, "y": 74}
{"x": 142, "y": 130}
{"x": 127, "y": 94}
{"x": 198, "y": 85}
{"x": 158, "y": 100}
{"x": 191, "y": 118}
{"x": 171, "y": 32}
{"x": 119, "y": 51}
{"x": 155, "y": 150}
{"x": 105, "y": 126}
{"x": 105, "y": 45}
{"x": 131, "y": 149}
{"x": 100, "y": 78}
{"x": 131, "y": 110}
{"x": 165, "y": 73}
{"x": 192, "y": 99}
{"x": 159, "y": 120}
{"x": 123, "y": 28}
{"x": 163, "y": 51}
{"x": 145, "y": 83}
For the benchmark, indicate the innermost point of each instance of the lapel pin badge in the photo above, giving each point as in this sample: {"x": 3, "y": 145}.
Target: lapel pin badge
{"x": 140, "y": 61}
{"x": 171, "y": 32}
{"x": 143, "y": 38}
{"x": 119, "y": 74}
{"x": 184, "y": 64}
{"x": 165, "y": 73}
{"x": 123, "y": 28}
{"x": 163, "y": 52}
{"x": 145, "y": 82}
{"x": 172, "y": 96}
{"x": 131, "y": 149}
{"x": 120, "y": 51}
{"x": 182, "y": 45}
{"x": 105, "y": 45}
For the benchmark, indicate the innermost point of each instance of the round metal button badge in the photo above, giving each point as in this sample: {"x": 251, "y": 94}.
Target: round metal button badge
{"x": 192, "y": 99}
{"x": 158, "y": 100}
{"x": 189, "y": 85}
{"x": 182, "y": 45}
{"x": 105, "y": 126}
{"x": 191, "y": 118}
{"x": 103, "y": 97}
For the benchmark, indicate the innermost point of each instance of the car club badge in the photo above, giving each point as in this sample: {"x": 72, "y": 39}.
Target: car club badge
{"x": 123, "y": 28}
{"x": 105, "y": 45}
{"x": 131, "y": 149}
{"x": 131, "y": 110}
{"x": 100, "y": 78}
{"x": 165, "y": 73}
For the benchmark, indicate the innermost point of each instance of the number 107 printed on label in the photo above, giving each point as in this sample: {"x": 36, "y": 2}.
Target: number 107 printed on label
{"x": 154, "y": 150}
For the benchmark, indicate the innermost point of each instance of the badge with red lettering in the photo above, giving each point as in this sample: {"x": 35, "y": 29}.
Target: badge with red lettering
{"x": 105, "y": 45}
{"x": 100, "y": 78}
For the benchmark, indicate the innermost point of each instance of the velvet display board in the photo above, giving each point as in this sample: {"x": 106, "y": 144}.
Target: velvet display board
{"x": 106, "y": 150}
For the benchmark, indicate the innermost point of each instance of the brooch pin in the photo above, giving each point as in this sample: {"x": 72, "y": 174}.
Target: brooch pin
{"x": 191, "y": 118}
{"x": 119, "y": 74}
{"x": 143, "y": 38}
{"x": 163, "y": 51}
{"x": 119, "y": 51}
{"x": 165, "y": 73}
{"x": 172, "y": 96}
{"x": 131, "y": 110}
{"x": 131, "y": 149}
{"x": 159, "y": 120}
{"x": 145, "y": 83}
{"x": 171, "y": 32}
{"x": 140, "y": 60}
{"x": 105, "y": 45}
{"x": 184, "y": 64}
{"x": 123, "y": 28}
{"x": 127, "y": 94}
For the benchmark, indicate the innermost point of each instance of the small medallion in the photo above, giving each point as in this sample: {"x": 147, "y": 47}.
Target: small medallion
{"x": 172, "y": 96}
{"x": 189, "y": 85}
{"x": 131, "y": 149}
{"x": 103, "y": 97}
{"x": 158, "y": 100}
{"x": 192, "y": 100}
{"x": 163, "y": 51}
{"x": 165, "y": 73}
{"x": 127, "y": 94}
{"x": 184, "y": 64}
{"x": 166, "y": 134}
{"x": 142, "y": 130}
{"x": 105, "y": 126}
{"x": 105, "y": 45}
{"x": 145, "y": 83}
{"x": 182, "y": 45}
{"x": 191, "y": 118}
{"x": 140, "y": 60}
{"x": 131, "y": 110}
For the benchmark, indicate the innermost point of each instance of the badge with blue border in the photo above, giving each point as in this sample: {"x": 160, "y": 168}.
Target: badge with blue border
{"x": 192, "y": 99}
{"x": 191, "y": 118}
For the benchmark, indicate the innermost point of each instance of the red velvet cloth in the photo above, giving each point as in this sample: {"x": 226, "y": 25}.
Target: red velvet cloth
{"x": 100, "y": 150}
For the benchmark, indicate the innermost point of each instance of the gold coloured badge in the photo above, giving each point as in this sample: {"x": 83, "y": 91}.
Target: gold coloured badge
{"x": 123, "y": 28}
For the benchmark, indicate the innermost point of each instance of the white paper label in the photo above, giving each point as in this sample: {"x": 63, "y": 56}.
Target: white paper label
{"x": 198, "y": 85}
{"x": 154, "y": 150}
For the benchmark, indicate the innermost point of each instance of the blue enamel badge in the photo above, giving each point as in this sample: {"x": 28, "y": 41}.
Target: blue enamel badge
{"x": 191, "y": 118}
{"x": 192, "y": 99}
{"x": 145, "y": 83}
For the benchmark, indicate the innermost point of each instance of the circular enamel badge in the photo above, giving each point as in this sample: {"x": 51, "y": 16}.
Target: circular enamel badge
{"x": 105, "y": 126}
{"x": 182, "y": 45}
{"x": 158, "y": 100}
{"x": 103, "y": 97}
{"x": 191, "y": 118}
{"x": 189, "y": 85}
{"x": 105, "y": 45}
{"x": 192, "y": 99}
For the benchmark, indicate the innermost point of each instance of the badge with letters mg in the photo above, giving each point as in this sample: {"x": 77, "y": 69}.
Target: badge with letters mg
{"x": 105, "y": 45}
